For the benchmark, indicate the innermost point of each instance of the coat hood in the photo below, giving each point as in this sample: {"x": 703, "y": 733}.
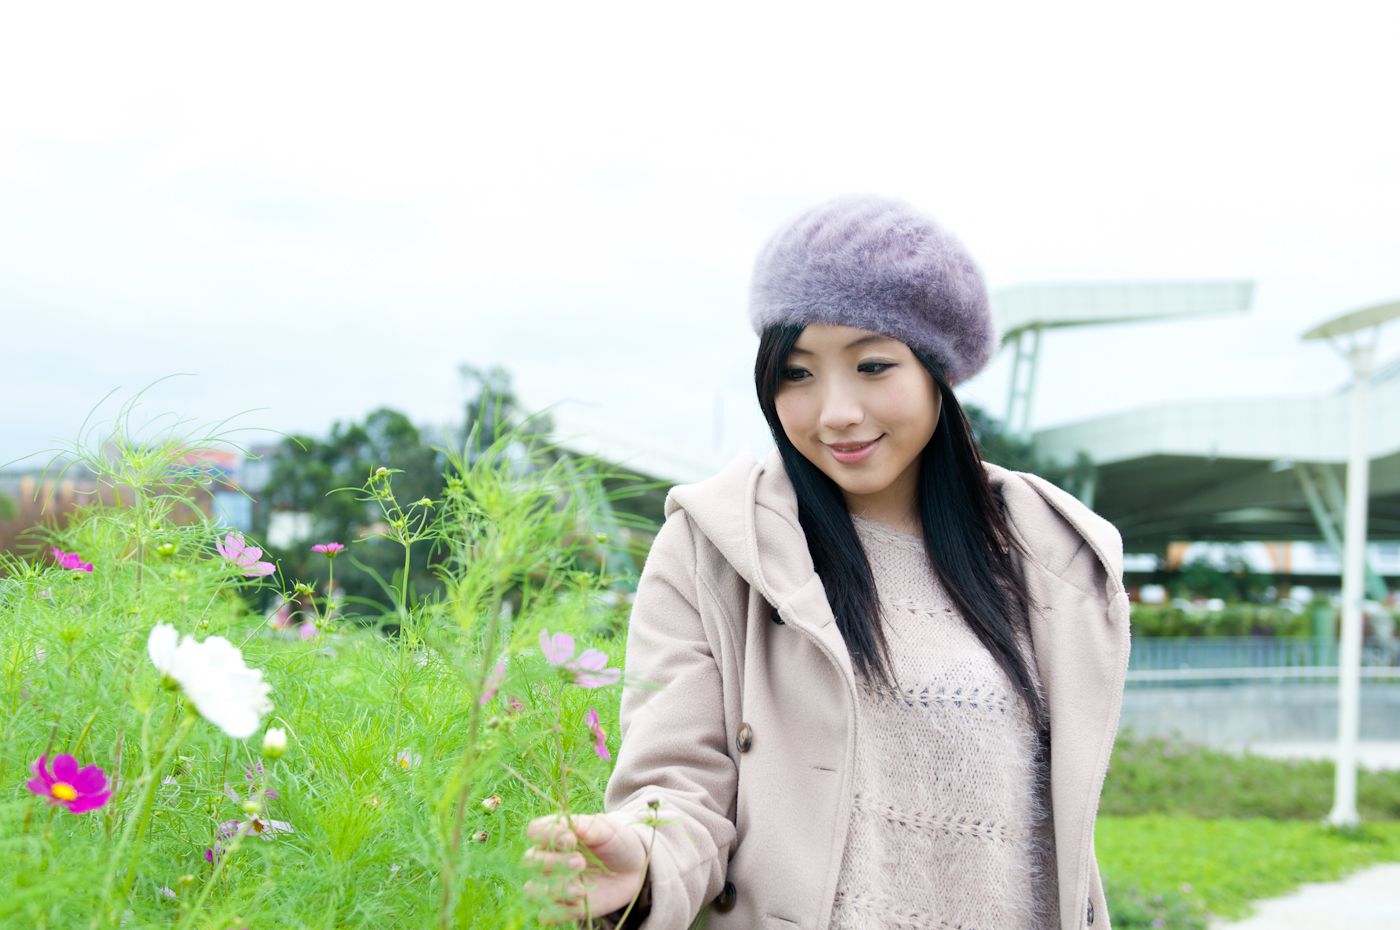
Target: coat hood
{"x": 748, "y": 511}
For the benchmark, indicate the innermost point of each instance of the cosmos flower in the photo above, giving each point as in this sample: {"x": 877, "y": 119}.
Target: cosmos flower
{"x": 331, "y": 549}
{"x": 79, "y": 790}
{"x": 600, "y": 746}
{"x": 70, "y": 560}
{"x": 408, "y": 759}
{"x": 255, "y": 826}
{"x": 244, "y": 556}
{"x": 212, "y": 675}
{"x": 588, "y": 668}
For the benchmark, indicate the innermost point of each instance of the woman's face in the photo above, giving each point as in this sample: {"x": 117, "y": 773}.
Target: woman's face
{"x": 841, "y": 387}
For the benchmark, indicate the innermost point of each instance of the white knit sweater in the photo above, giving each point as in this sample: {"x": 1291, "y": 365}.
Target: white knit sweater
{"x": 950, "y": 825}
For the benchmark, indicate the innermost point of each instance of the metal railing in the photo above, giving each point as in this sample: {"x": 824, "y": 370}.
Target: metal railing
{"x": 1217, "y": 659}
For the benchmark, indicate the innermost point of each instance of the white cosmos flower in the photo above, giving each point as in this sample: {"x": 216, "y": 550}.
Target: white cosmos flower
{"x": 212, "y": 675}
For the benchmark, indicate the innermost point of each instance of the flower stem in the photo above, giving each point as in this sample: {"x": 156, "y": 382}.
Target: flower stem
{"x": 449, "y": 863}
{"x": 136, "y": 826}
{"x": 222, "y": 860}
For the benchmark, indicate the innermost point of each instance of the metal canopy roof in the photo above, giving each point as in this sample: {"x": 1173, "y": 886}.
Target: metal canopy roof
{"x": 1052, "y": 306}
{"x": 1235, "y": 470}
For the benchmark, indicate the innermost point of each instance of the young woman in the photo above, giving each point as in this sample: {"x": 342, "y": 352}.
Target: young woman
{"x": 873, "y": 681}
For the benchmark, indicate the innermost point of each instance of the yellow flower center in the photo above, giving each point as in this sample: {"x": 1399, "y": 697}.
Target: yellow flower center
{"x": 63, "y": 791}
{"x": 403, "y": 763}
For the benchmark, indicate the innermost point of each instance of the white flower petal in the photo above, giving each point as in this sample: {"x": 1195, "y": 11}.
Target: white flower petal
{"x": 160, "y": 646}
{"x": 226, "y": 692}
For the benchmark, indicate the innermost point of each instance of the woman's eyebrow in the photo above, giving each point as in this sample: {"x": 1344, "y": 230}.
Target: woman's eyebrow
{"x": 863, "y": 340}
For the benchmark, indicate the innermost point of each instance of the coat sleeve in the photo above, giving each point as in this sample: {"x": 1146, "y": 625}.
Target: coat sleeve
{"x": 673, "y": 748}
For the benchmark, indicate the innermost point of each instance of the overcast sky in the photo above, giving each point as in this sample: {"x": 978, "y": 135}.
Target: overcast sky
{"x": 321, "y": 209}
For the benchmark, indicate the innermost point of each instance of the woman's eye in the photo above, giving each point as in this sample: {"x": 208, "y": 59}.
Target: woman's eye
{"x": 793, "y": 374}
{"x": 878, "y": 366}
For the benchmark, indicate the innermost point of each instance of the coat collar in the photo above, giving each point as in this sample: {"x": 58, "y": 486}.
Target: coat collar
{"x": 749, "y": 512}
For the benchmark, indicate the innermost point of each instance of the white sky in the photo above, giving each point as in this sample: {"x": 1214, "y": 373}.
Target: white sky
{"x": 322, "y": 209}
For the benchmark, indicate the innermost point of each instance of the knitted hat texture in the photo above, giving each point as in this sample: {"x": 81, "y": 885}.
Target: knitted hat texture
{"x": 877, "y": 264}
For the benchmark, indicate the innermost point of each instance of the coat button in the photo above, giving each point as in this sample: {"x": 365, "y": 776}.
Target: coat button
{"x": 1091, "y": 912}
{"x": 725, "y": 901}
{"x": 744, "y": 739}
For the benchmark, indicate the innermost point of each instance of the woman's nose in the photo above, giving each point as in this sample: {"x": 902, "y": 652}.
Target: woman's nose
{"x": 840, "y": 412}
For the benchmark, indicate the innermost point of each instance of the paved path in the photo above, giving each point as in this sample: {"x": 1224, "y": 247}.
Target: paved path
{"x": 1366, "y": 900}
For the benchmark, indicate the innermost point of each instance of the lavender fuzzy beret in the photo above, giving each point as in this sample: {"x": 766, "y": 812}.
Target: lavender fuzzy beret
{"x": 877, "y": 264}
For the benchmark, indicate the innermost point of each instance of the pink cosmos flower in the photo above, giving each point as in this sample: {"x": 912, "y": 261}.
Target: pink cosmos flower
{"x": 331, "y": 549}
{"x": 493, "y": 681}
{"x": 588, "y": 668}
{"x": 256, "y": 826}
{"x": 244, "y": 556}
{"x": 513, "y": 704}
{"x": 70, "y": 560}
{"x": 79, "y": 790}
{"x": 599, "y": 734}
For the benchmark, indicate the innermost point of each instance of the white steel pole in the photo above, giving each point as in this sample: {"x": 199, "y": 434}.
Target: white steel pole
{"x": 1349, "y": 673}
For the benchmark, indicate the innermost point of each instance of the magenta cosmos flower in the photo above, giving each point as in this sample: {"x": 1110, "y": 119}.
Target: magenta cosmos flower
{"x": 588, "y": 668}
{"x": 244, "y": 556}
{"x": 331, "y": 549}
{"x": 79, "y": 790}
{"x": 600, "y": 736}
{"x": 70, "y": 560}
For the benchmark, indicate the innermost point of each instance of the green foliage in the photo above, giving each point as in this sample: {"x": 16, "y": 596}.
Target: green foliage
{"x": 8, "y": 508}
{"x": 392, "y": 750}
{"x": 1001, "y": 448}
{"x": 304, "y": 476}
{"x": 1232, "y": 620}
{"x": 1237, "y": 580}
{"x": 1186, "y": 832}
{"x": 1154, "y": 775}
{"x": 1131, "y": 908}
{"x": 1216, "y": 867}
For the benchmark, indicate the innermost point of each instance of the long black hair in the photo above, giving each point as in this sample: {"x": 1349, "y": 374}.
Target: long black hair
{"x": 965, "y": 531}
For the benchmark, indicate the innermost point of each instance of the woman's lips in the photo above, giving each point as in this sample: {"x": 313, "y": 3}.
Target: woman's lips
{"x": 849, "y": 458}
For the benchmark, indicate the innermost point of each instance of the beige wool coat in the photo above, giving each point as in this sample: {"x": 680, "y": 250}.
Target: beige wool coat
{"x": 738, "y": 708}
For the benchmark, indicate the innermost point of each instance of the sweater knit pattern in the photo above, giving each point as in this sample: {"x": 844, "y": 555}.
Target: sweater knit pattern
{"x": 950, "y": 823}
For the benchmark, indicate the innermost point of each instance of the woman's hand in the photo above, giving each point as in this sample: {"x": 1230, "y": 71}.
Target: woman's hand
{"x": 594, "y": 860}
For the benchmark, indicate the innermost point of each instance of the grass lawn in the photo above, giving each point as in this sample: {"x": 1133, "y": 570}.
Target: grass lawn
{"x": 1216, "y": 866}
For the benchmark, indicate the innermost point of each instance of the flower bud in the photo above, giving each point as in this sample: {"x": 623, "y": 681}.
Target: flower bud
{"x": 492, "y": 803}
{"x": 165, "y": 550}
{"x": 381, "y": 472}
{"x": 251, "y": 806}
{"x": 274, "y": 743}
{"x": 480, "y": 837}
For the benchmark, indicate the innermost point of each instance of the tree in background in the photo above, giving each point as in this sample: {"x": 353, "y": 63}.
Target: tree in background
{"x": 321, "y": 478}
{"x": 1237, "y": 581}
{"x": 495, "y": 407}
{"x": 304, "y": 475}
{"x": 1000, "y": 448}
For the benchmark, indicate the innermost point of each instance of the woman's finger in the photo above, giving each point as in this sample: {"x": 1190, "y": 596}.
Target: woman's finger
{"x": 552, "y": 832}
{"x": 549, "y": 861}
